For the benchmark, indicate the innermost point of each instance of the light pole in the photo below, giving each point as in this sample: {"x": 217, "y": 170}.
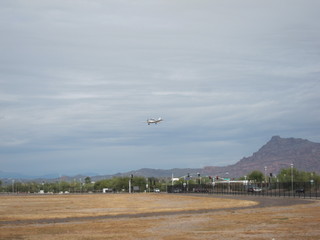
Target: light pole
{"x": 265, "y": 174}
{"x": 172, "y": 181}
{"x": 199, "y": 178}
{"x": 291, "y": 178}
{"x": 228, "y": 179}
{"x": 130, "y": 179}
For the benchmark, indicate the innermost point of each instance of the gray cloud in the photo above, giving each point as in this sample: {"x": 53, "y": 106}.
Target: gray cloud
{"x": 79, "y": 79}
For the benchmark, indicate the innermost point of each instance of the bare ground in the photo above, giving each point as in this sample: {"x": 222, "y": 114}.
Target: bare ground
{"x": 157, "y": 216}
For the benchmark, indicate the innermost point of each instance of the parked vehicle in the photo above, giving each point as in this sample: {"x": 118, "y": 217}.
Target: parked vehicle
{"x": 300, "y": 190}
{"x": 177, "y": 190}
{"x": 254, "y": 189}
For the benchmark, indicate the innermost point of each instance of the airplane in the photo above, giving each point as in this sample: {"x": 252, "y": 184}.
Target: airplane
{"x": 155, "y": 121}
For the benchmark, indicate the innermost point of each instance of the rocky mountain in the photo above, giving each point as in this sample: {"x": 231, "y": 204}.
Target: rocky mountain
{"x": 275, "y": 155}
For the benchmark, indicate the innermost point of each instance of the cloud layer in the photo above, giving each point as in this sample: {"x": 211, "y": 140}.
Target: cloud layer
{"x": 79, "y": 79}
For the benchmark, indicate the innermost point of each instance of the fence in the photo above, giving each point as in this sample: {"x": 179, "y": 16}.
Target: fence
{"x": 277, "y": 189}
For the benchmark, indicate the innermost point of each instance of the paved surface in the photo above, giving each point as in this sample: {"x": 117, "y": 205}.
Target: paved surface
{"x": 263, "y": 201}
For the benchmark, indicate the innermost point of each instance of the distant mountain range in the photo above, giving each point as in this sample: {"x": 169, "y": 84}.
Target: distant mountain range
{"x": 54, "y": 176}
{"x": 275, "y": 155}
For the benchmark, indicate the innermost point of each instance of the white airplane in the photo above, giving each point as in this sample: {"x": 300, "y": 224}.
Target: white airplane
{"x": 152, "y": 120}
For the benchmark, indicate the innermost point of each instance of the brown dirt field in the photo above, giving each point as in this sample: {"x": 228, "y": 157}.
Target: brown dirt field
{"x": 37, "y": 207}
{"x": 157, "y": 216}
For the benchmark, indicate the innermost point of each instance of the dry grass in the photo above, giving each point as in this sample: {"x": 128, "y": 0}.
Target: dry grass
{"x": 62, "y": 206}
{"x": 290, "y": 222}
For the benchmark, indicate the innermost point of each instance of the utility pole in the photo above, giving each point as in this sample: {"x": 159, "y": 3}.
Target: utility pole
{"x": 130, "y": 179}
{"x": 292, "y": 177}
{"x": 12, "y": 185}
{"x": 172, "y": 180}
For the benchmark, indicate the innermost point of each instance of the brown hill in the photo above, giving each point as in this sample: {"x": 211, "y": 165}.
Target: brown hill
{"x": 275, "y": 155}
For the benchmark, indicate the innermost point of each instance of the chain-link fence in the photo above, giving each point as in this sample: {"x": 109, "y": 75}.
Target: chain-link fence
{"x": 276, "y": 189}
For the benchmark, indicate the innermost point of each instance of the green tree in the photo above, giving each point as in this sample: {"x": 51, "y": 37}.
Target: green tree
{"x": 287, "y": 174}
{"x": 87, "y": 180}
{"x": 120, "y": 183}
{"x": 256, "y": 176}
{"x": 140, "y": 182}
{"x": 65, "y": 186}
{"x": 105, "y": 183}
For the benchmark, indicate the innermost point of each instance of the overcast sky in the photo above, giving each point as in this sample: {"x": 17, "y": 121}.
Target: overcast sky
{"x": 79, "y": 79}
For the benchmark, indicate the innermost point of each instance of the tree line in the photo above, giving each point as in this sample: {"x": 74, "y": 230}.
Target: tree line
{"x": 285, "y": 175}
{"x": 142, "y": 184}
{"x": 116, "y": 184}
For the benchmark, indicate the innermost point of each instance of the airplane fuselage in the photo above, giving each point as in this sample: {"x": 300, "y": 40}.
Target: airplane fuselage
{"x": 155, "y": 121}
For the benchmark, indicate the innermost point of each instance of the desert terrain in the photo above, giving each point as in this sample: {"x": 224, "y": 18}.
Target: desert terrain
{"x": 157, "y": 216}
